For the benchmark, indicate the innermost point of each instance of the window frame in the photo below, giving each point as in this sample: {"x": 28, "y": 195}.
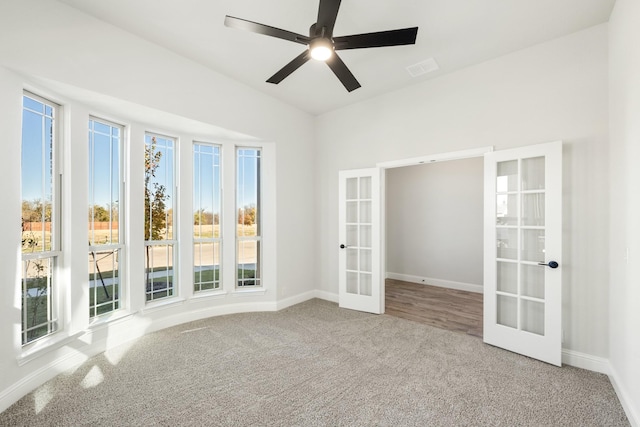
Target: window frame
{"x": 171, "y": 244}
{"x": 120, "y": 247}
{"x": 217, "y": 284}
{"x": 53, "y": 324}
{"x": 258, "y": 272}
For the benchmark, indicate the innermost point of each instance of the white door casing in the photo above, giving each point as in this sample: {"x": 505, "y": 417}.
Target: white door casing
{"x": 360, "y": 265}
{"x": 523, "y": 251}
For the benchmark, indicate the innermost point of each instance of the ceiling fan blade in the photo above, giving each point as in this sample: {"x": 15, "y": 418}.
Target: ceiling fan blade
{"x": 379, "y": 39}
{"x": 290, "y": 67}
{"x": 327, "y": 14}
{"x": 254, "y": 27}
{"x": 342, "y": 72}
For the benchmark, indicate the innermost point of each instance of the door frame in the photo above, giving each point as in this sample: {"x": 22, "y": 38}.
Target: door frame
{"x": 413, "y": 161}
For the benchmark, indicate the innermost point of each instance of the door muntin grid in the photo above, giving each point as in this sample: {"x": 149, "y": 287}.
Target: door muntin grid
{"x": 358, "y": 232}
{"x": 520, "y": 244}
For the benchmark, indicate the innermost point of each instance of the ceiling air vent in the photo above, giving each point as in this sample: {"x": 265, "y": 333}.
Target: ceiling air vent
{"x": 424, "y": 67}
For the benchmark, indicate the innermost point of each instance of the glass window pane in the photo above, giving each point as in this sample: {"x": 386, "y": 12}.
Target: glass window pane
{"x": 352, "y": 212}
{"x": 506, "y": 209}
{"x": 533, "y": 209}
{"x": 533, "y": 173}
{"x": 104, "y": 180}
{"x": 352, "y": 259}
{"x": 206, "y": 269}
{"x": 352, "y": 282}
{"x": 365, "y": 236}
{"x": 365, "y": 284}
{"x": 104, "y": 281}
{"x": 507, "y": 176}
{"x": 248, "y": 263}
{"x": 532, "y": 317}
{"x": 159, "y": 187}
{"x": 159, "y": 271}
{"x": 533, "y": 245}
{"x": 365, "y": 260}
{"x": 532, "y": 277}
{"x": 352, "y": 235}
{"x": 248, "y": 194}
{"x": 37, "y": 294}
{"x": 365, "y": 212}
{"x": 507, "y": 243}
{"x": 352, "y": 188}
{"x": 507, "y": 277}
{"x": 507, "y": 308}
{"x": 365, "y": 187}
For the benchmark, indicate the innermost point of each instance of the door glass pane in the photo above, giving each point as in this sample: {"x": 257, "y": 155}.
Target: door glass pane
{"x": 352, "y": 188}
{"x": 365, "y": 187}
{"x": 507, "y": 176}
{"x": 352, "y": 235}
{"x": 507, "y": 311}
{"x": 365, "y": 284}
{"x": 533, "y": 245}
{"x": 506, "y": 209}
{"x": 507, "y": 277}
{"x": 352, "y": 212}
{"x": 533, "y": 209}
{"x": 532, "y": 277}
{"x": 365, "y": 212}
{"x": 533, "y": 173}
{"x": 365, "y": 259}
{"x": 352, "y": 282}
{"x": 533, "y": 317}
{"x": 507, "y": 242}
{"x": 352, "y": 259}
{"x": 365, "y": 236}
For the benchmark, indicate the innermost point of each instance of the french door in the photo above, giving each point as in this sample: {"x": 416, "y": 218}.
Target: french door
{"x": 360, "y": 259}
{"x": 523, "y": 251}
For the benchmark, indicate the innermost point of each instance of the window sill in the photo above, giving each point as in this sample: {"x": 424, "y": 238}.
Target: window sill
{"x": 248, "y": 292}
{"x": 162, "y": 305}
{"x": 45, "y": 345}
{"x": 110, "y": 318}
{"x": 208, "y": 295}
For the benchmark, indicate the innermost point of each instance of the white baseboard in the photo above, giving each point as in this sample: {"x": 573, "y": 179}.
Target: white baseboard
{"x": 631, "y": 407}
{"x": 296, "y": 299}
{"x": 585, "y": 361}
{"x": 28, "y": 383}
{"x": 327, "y": 296}
{"x": 469, "y": 287}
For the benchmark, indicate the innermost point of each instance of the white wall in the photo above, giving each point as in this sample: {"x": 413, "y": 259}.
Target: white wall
{"x": 94, "y": 68}
{"x": 624, "y": 103}
{"x": 434, "y": 219}
{"x": 556, "y": 90}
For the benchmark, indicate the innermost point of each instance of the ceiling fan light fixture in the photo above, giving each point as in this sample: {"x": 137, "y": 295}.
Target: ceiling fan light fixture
{"x": 321, "y": 49}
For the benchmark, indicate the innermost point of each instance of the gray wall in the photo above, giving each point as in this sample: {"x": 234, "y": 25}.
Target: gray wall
{"x": 434, "y": 221}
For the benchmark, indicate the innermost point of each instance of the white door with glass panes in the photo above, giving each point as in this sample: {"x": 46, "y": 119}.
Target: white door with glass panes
{"x": 359, "y": 247}
{"x": 523, "y": 251}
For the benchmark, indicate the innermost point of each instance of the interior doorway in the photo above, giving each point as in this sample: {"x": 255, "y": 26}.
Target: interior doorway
{"x": 433, "y": 240}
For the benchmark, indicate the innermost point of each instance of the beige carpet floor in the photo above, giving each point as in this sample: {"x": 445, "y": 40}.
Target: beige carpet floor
{"x": 314, "y": 364}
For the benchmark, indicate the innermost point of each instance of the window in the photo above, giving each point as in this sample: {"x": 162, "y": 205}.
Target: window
{"x": 248, "y": 219}
{"x": 207, "y": 205}
{"x": 40, "y": 187}
{"x": 159, "y": 208}
{"x": 105, "y": 225}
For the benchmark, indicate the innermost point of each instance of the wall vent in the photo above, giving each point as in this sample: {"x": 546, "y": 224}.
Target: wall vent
{"x": 424, "y": 67}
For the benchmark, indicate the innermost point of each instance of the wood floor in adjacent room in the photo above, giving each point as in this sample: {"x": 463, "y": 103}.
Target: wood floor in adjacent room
{"x": 440, "y": 307}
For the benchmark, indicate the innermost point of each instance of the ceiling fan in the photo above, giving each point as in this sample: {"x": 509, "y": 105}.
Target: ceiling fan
{"x": 322, "y": 44}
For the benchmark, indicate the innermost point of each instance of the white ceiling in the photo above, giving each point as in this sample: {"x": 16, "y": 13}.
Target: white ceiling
{"x": 456, "y": 33}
